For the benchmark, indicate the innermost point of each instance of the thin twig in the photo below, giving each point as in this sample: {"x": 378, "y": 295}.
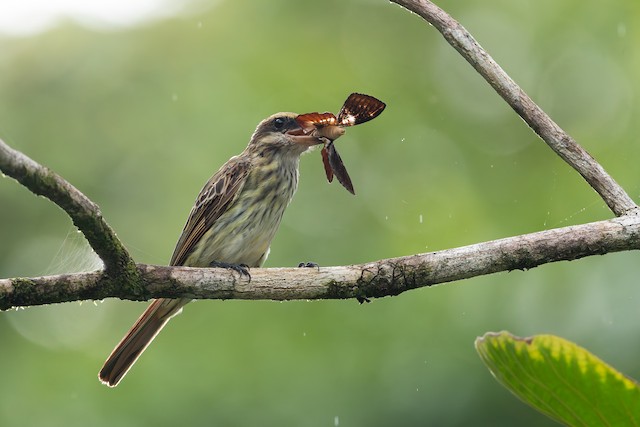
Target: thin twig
{"x": 375, "y": 279}
{"x": 564, "y": 145}
{"x": 83, "y": 212}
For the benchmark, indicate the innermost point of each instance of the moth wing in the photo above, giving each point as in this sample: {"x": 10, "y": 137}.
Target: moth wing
{"x": 310, "y": 121}
{"x": 338, "y": 168}
{"x": 359, "y": 108}
{"x": 327, "y": 165}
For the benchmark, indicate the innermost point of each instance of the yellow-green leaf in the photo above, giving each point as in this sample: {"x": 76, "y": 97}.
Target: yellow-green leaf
{"x": 561, "y": 379}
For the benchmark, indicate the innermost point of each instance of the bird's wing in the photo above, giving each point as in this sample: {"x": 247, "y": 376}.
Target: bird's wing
{"x": 213, "y": 201}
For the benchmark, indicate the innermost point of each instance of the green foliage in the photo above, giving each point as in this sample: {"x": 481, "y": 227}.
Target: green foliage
{"x": 139, "y": 118}
{"x": 561, "y": 379}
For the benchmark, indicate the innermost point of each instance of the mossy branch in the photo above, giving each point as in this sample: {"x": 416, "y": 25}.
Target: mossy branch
{"x": 371, "y": 280}
{"x": 83, "y": 212}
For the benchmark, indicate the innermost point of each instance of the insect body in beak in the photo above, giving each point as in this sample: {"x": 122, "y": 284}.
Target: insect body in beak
{"x": 357, "y": 109}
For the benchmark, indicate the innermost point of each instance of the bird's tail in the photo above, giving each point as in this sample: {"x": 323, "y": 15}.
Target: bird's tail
{"x": 138, "y": 338}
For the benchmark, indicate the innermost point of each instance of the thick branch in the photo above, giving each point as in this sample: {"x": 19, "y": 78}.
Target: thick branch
{"x": 375, "y": 279}
{"x": 83, "y": 212}
{"x": 566, "y": 147}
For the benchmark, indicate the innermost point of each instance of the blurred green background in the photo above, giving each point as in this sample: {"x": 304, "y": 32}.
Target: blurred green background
{"x": 139, "y": 117}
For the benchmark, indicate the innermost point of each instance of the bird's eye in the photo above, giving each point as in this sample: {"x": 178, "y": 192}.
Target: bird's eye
{"x": 278, "y": 122}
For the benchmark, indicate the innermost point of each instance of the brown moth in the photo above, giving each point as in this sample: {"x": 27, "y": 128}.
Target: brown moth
{"x": 357, "y": 109}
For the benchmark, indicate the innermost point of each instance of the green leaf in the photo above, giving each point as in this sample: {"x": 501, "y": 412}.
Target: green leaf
{"x": 561, "y": 379}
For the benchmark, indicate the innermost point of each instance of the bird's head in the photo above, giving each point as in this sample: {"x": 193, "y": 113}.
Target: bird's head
{"x": 281, "y": 133}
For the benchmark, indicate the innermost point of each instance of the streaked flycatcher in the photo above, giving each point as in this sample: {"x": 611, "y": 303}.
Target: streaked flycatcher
{"x": 232, "y": 223}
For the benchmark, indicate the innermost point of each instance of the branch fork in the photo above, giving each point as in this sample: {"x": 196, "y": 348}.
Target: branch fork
{"x": 123, "y": 278}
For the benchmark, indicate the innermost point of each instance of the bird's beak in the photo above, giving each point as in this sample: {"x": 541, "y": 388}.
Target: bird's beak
{"x": 300, "y": 137}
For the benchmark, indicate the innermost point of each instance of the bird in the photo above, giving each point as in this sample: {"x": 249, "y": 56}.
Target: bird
{"x": 231, "y": 225}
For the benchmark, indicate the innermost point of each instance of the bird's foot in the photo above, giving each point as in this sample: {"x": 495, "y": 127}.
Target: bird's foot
{"x": 362, "y": 300}
{"x": 309, "y": 265}
{"x": 243, "y": 269}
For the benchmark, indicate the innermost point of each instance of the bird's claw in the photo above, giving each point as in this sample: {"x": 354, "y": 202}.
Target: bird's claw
{"x": 309, "y": 265}
{"x": 242, "y": 269}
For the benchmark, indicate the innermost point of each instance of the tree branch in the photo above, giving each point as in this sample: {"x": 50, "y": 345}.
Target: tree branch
{"x": 123, "y": 279}
{"x": 566, "y": 147}
{"x": 83, "y": 212}
{"x": 375, "y": 279}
